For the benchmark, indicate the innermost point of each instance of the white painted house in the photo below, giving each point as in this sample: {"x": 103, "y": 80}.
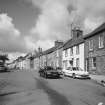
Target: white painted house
{"x": 73, "y": 50}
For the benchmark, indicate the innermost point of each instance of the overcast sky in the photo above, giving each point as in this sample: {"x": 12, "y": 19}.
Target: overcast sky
{"x": 28, "y": 24}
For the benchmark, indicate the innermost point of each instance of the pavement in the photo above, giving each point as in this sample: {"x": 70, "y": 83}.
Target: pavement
{"x": 98, "y": 78}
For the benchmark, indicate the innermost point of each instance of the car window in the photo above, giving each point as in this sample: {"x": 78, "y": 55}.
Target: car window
{"x": 49, "y": 68}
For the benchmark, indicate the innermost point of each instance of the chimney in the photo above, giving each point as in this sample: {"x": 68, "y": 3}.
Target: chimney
{"x": 39, "y": 50}
{"x": 77, "y": 33}
{"x": 58, "y": 43}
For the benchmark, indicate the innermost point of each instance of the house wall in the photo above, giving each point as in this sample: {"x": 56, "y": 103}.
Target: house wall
{"x": 59, "y": 57}
{"x": 73, "y": 57}
{"x": 50, "y": 59}
{"x": 97, "y": 52}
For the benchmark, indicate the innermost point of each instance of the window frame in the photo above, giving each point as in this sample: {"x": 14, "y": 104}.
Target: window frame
{"x": 66, "y": 53}
{"x": 77, "y": 49}
{"x": 57, "y": 53}
{"x": 93, "y": 63}
{"x": 90, "y": 44}
{"x": 101, "y": 41}
{"x": 71, "y": 51}
{"x": 65, "y": 64}
{"x": 77, "y": 62}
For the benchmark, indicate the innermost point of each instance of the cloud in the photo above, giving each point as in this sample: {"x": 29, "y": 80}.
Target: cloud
{"x": 14, "y": 55}
{"x": 54, "y": 22}
{"x": 7, "y": 25}
{"x": 91, "y": 12}
{"x": 10, "y": 37}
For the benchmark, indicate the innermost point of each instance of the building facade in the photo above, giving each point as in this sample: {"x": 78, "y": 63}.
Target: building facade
{"x": 95, "y": 50}
{"x": 58, "y": 56}
{"x": 73, "y": 51}
{"x": 51, "y": 57}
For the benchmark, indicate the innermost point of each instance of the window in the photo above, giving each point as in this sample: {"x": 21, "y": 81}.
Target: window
{"x": 77, "y": 49}
{"x": 90, "y": 44}
{"x": 94, "y": 62}
{"x": 65, "y": 64}
{"x": 66, "y": 53}
{"x": 101, "y": 41}
{"x": 71, "y": 62}
{"x": 71, "y": 51}
{"x": 57, "y": 53}
{"x": 77, "y": 62}
{"x": 57, "y": 63}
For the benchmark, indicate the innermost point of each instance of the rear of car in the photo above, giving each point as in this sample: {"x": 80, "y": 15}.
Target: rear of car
{"x": 2, "y": 67}
{"x": 59, "y": 70}
{"x": 76, "y": 72}
{"x": 80, "y": 73}
{"x": 49, "y": 72}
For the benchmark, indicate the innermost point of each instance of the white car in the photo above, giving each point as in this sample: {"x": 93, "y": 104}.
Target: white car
{"x": 76, "y": 72}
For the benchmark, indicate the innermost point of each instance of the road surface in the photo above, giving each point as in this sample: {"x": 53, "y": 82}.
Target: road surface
{"x": 27, "y": 88}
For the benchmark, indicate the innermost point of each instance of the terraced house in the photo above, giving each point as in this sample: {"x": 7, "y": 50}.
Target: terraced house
{"x": 73, "y": 50}
{"x": 52, "y": 56}
{"x": 95, "y": 50}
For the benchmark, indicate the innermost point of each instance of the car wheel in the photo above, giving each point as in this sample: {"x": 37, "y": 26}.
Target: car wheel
{"x": 73, "y": 75}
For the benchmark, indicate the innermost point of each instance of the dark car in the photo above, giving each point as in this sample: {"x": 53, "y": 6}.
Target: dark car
{"x": 2, "y": 67}
{"x": 48, "y": 71}
{"x": 59, "y": 69}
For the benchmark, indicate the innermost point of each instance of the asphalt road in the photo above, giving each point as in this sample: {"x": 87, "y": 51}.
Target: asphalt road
{"x": 27, "y": 88}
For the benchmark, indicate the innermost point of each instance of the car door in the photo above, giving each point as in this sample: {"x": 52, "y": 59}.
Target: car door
{"x": 68, "y": 71}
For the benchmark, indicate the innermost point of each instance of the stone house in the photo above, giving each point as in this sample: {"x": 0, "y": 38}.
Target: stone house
{"x": 95, "y": 50}
{"x": 58, "y": 56}
{"x": 49, "y": 57}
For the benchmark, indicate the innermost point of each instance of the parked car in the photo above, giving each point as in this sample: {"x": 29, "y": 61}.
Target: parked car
{"x": 59, "y": 69}
{"x": 76, "y": 72}
{"x": 3, "y": 68}
{"x": 48, "y": 71}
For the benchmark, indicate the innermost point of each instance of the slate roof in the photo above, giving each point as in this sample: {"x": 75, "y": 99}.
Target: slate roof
{"x": 60, "y": 46}
{"x": 96, "y": 31}
{"x": 45, "y": 52}
{"x": 37, "y": 55}
{"x": 50, "y": 50}
{"x": 73, "y": 42}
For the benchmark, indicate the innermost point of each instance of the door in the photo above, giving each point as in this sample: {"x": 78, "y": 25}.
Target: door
{"x": 87, "y": 64}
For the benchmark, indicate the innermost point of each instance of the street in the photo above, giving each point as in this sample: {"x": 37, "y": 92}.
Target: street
{"x": 27, "y": 88}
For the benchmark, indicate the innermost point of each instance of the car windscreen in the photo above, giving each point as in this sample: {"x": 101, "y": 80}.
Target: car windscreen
{"x": 49, "y": 68}
{"x": 75, "y": 69}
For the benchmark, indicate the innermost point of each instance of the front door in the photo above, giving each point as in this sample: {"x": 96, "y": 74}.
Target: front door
{"x": 87, "y": 64}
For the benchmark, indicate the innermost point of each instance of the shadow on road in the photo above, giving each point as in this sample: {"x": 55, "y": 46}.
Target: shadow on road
{"x": 54, "y": 97}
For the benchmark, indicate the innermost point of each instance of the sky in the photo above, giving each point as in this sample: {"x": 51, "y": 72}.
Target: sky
{"x": 26, "y": 25}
